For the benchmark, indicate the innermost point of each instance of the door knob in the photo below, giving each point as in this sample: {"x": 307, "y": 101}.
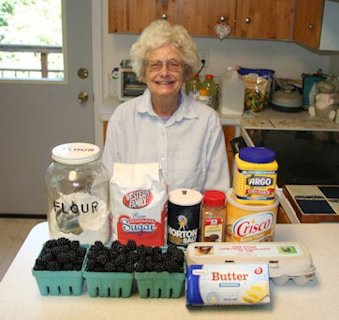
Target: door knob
{"x": 82, "y": 97}
{"x": 83, "y": 73}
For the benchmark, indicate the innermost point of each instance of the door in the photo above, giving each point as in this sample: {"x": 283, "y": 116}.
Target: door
{"x": 35, "y": 117}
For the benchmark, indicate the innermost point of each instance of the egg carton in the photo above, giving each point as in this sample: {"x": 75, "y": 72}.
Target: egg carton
{"x": 286, "y": 260}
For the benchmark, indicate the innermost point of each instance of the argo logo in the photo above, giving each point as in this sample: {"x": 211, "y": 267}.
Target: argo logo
{"x": 253, "y": 224}
{"x": 259, "y": 181}
{"x": 137, "y": 199}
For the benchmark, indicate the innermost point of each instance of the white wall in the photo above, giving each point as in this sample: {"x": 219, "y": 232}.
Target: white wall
{"x": 286, "y": 58}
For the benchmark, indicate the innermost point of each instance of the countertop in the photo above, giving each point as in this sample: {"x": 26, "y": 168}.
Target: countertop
{"x": 267, "y": 119}
{"x": 20, "y": 297}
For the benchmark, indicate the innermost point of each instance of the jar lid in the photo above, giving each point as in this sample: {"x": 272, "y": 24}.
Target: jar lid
{"x": 75, "y": 153}
{"x": 209, "y": 76}
{"x": 256, "y": 154}
{"x": 185, "y": 197}
{"x": 214, "y": 198}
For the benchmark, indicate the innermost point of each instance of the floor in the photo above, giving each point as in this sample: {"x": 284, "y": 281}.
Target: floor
{"x": 13, "y": 232}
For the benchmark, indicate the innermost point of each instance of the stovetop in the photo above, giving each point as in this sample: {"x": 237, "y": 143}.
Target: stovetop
{"x": 304, "y": 157}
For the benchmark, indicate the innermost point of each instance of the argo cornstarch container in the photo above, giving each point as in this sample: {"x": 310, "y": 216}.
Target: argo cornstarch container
{"x": 255, "y": 176}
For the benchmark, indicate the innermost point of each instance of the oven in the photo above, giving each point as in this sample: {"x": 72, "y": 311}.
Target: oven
{"x": 308, "y": 174}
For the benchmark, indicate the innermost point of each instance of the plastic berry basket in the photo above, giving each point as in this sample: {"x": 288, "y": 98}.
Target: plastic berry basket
{"x": 54, "y": 283}
{"x": 109, "y": 284}
{"x": 60, "y": 282}
{"x": 159, "y": 284}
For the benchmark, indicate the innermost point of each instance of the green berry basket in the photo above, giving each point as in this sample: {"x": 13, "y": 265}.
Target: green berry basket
{"x": 109, "y": 284}
{"x": 54, "y": 283}
{"x": 159, "y": 284}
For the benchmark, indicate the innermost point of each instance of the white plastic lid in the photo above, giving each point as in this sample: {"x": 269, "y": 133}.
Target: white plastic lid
{"x": 75, "y": 153}
{"x": 185, "y": 197}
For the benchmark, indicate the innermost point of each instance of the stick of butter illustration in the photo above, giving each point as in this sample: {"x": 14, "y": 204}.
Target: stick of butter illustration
{"x": 256, "y": 292}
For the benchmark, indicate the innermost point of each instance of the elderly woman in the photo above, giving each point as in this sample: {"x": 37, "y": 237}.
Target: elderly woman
{"x": 164, "y": 125}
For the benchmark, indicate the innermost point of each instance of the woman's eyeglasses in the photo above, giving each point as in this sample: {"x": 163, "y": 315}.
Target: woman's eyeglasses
{"x": 171, "y": 65}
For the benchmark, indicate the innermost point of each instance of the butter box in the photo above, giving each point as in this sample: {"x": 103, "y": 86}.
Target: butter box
{"x": 227, "y": 284}
{"x": 286, "y": 260}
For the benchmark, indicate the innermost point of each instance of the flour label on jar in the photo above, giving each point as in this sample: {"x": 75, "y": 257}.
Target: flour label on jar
{"x": 80, "y": 216}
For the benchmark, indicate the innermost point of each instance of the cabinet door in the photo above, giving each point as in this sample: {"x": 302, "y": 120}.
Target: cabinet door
{"x": 307, "y": 22}
{"x": 199, "y": 17}
{"x": 132, "y": 16}
{"x": 264, "y": 19}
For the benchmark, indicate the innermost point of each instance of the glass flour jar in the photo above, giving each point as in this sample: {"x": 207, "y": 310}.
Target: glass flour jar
{"x": 77, "y": 193}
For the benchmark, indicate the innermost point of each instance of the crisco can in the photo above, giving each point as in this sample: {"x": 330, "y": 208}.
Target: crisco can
{"x": 183, "y": 216}
{"x": 250, "y": 223}
{"x": 255, "y": 176}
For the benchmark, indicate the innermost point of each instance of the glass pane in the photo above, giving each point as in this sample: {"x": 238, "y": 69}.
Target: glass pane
{"x": 31, "y": 39}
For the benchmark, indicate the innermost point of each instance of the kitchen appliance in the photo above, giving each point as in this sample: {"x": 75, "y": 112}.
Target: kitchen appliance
{"x": 129, "y": 86}
{"x": 287, "y": 100}
{"x": 304, "y": 157}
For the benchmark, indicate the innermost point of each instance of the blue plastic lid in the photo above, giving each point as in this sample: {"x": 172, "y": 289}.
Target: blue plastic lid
{"x": 256, "y": 154}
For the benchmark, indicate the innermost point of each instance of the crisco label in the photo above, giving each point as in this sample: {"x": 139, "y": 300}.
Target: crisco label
{"x": 137, "y": 199}
{"x": 253, "y": 225}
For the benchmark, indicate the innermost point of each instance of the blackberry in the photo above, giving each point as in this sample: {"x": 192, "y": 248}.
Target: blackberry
{"x": 63, "y": 257}
{"x": 50, "y": 243}
{"x": 68, "y": 266}
{"x": 110, "y": 267}
{"x": 140, "y": 266}
{"x": 129, "y": 267}
{"x": 102, "y": 259}
{"x": 120, "y": 260}
{"x": 52, "y": 266}
{"x": 63, "y": 242}
{"x": 131, "y": 245}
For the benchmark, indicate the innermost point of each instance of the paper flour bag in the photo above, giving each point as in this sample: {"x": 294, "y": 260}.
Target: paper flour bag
{"x": 138, "y": 204}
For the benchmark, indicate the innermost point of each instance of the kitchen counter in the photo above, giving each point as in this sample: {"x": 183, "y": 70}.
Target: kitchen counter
{"x": 267, "y": 119}
{"x": 20, "y": 297}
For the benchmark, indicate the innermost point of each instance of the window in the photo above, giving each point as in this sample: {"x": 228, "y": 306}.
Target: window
{"x": 31, "y": 40}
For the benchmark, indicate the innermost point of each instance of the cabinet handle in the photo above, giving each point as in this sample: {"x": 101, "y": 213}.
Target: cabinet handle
{"x": 222, "y": 19}
{"x": 310, "y": 26}
{"x": 247, "y": 20}
{"x": 164, "y": 16}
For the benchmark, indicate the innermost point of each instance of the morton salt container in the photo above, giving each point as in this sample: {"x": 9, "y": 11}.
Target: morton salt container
{"x": 255, "y": 176}
{"x": 183, "y": 216}
{"x": 249, "y": 223}
{"x": 77, "y": 192}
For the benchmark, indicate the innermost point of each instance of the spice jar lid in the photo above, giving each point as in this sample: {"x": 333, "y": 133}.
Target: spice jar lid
{"x": 185, "y": 197}
{"x": 75, "y": 153}
{"x": 214, "y": 198}
{"x": 256, "y": 154}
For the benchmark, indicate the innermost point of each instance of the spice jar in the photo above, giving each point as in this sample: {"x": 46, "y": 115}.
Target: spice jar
{"x": 213, "y": 216}
{"x": 77, "y": 193}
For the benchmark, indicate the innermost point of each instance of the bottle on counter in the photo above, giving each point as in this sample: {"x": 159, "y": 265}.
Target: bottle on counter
{"x": 232, "y": 92}
{"x": 213, "y": 216}
{"x": 193, "y": 86}
{"x": 211, "y": 87}
{"x": 77, "y": 194}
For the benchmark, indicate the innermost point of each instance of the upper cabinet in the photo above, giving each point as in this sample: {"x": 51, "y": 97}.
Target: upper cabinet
{"x": 307, "y": 22}
{"x": 200, "y": 17}
{"x": 264, "y": 19}
{"x": 316, "y": 25}
{"x": 132, "y": 16}
{"x": 261, "y": 19}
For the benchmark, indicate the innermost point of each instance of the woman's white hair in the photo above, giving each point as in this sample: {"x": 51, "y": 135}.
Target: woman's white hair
{"x": 158, "y": 34}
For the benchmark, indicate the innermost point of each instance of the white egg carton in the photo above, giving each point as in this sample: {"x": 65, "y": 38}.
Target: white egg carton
{"x": 286, "y": 260}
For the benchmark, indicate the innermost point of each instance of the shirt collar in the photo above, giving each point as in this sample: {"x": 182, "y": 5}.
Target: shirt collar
{"x": 185, "y": 109}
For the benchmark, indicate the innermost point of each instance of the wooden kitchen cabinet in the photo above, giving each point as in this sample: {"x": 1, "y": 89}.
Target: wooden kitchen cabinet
{"x": 307, "y": 22}
{"x": 132, "y": 16}
{"x": 229, "y": 133}
{"x": 199, "y": 17}
{"x": 258, "y": 19}
{"x": 264, "y": 19}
